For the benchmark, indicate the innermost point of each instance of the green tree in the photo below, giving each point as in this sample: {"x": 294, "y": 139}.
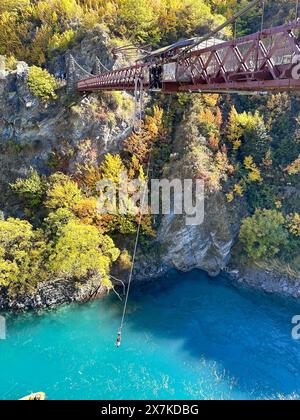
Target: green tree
{"x": 137, "y": 20}
{"x": 31, "y": 190}
{"x": 23, "y": 254}
{"x": 264, "y": 234}
{"x": 63, "y": 192}
{"x": 61, "y": 42}
{"x": 82, "y": 251}
{"x": 41, "y": 83}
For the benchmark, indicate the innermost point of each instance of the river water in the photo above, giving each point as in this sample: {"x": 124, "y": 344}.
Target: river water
{"x": 186, "y": 337}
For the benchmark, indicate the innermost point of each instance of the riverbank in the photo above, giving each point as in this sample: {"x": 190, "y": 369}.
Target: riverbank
{"x": 60, "y": 292}
{"x": 51, "y": 294}
{"x": 272, "y": 279}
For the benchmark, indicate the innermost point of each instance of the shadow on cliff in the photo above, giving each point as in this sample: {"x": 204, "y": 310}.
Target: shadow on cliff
{"x": 246, "y": 334}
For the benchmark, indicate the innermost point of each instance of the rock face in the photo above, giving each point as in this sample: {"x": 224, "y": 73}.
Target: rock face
{"x": 94, "y": 44}
{"x": 52, "y": 294}
{"x": 67, "y": 132}
{"x": 206, "y": 246}
{"x": 269, "y": 281}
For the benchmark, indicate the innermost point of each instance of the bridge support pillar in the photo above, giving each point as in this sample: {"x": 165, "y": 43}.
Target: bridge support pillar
{"x": 2, "y": 66}
{"x": 97, "y": 67}
{"x": 71, "y": 73}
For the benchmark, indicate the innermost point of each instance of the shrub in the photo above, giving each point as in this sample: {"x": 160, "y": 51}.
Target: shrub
{"x": 254, "y": 174}
{"x": 13, "y": 5}
{"x": 56, "y": 221}
{"x": 294, "y": 168}
{"x": 31, "y": 190}
{"x": 264, "y": 235}
{"x": 248, "y": 132}
{"x": 125, "y": 260}
{"x": 22, "y": 256}
{"x": 293, "y": 223}
{"x": 41, "y": 83}
{"x": 11, "y": 63}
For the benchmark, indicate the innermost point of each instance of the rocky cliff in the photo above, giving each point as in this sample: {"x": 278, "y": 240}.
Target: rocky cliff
{"x": 61, "y": 134}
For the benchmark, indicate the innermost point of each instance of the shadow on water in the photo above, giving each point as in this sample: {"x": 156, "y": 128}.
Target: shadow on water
{"x": 247, "y": 333}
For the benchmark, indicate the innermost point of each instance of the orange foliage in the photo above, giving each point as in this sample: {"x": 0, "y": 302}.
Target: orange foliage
{"x": 139, "y": 145}
{"x": 213, "y": 142}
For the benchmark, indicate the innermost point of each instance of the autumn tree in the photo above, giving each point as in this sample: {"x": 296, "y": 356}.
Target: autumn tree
{"x": 82, "y": 251}
{"x": 264, "y": 234}
{"x": 23, "y": 253}
{"x": 62, "y": 192}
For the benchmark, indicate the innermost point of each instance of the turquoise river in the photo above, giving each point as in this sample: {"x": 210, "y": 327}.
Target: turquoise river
{"x": 186, "y": 337}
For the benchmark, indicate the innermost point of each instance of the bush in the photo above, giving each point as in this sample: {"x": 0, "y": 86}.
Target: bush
{"x": 264, "y": 235}
{"x": 248, "y": 133}
{"x": 22, "y": 256}
{"x": 293, "y": 224}
{"x": 294, "y": 168}
{"x": 11, "y": 63}
{"x": 41, "y": 83}
{"x": 56, "y": 221}
{"x": 125, "y": 260}
{"x": 31, "y": 190}
{"x": 13, "y": 5}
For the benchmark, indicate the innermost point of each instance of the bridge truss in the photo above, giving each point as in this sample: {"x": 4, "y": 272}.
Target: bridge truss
{"x": 262, "y": 61}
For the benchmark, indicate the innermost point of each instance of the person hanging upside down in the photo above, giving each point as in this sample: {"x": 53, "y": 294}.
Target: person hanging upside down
{"x": 118, "y": 343}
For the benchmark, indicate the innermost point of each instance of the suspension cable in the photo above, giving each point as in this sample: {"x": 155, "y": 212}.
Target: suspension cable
{"x": 102, "y": 65}
{"x": 220, "y": 28}
{"x": 263, "y": 5}
{"x": 297, "y": 9}
{"x": 138, "y": 89}
{"x": 82, "y": 69}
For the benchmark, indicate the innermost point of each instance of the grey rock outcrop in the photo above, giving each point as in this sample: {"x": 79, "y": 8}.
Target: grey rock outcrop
{"x": 53, "y": 293}
{"x": 206, "y": 246}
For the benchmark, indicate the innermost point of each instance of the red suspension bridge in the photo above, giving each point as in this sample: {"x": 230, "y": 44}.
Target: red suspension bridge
{"x": 264, "y": 61}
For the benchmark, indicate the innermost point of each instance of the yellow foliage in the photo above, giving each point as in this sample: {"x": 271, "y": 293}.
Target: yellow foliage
{"x": 112, "y": 168}
{"x": 293, "y": 223}
{"x": 236, "y": 145}
{"x": 239, "y": 123}
{"x": 294, "y": 168}
{"x": 254, "y": 174}
{"x": 230, "y": 197}
{"x": 211, "y": 99}
{"x": 239, "y": 190}
{"x": 63, "y": 192}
